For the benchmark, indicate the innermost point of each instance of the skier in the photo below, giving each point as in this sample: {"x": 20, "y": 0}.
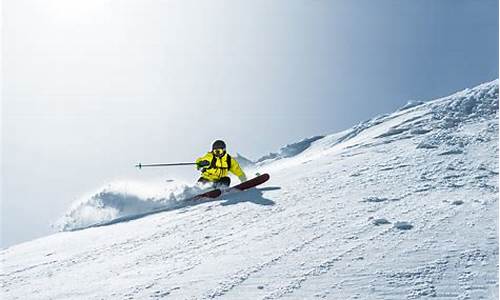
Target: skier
{"x": 216, "y": 164}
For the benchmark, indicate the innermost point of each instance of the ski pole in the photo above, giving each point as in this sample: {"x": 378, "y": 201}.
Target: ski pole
{"x": 164, "y": 165}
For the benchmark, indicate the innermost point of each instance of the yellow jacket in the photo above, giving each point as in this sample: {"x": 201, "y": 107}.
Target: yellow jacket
{"x": 220, "y": 168}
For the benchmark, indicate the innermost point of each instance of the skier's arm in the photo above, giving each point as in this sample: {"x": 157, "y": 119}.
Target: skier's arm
{"x": 236, "y": 170}
{"x": 203, "y": 162}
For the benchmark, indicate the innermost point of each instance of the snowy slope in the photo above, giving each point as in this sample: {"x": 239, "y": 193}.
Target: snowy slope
{"x": 403, "y": 206}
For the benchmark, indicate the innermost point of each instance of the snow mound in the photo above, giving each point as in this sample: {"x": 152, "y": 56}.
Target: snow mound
{"x": 411, "y": 104}
{"x": 243, "y": 161}
{"x": 480, "y": 102}
{"x": 431, "y": 124}
{"x": 289, "y": 150}
{"x": 120, "y": 200}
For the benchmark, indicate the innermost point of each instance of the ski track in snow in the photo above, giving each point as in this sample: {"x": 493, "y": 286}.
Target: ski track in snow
{"x": 403, "y": 206}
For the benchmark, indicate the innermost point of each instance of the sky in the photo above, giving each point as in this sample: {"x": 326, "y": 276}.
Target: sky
{"x": 90, "y": 88}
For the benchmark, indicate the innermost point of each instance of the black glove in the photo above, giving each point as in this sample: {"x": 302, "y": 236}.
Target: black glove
{"x": 202, "y": 164}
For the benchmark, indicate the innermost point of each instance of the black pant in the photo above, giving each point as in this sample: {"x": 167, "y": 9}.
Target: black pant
{"x": 224, "y": 181}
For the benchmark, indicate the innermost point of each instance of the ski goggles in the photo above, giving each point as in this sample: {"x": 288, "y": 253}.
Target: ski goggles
{"x": 219, "y": 151}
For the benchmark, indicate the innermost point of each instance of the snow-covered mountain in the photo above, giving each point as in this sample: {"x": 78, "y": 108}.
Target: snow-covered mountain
{"x": 403, "y": 206}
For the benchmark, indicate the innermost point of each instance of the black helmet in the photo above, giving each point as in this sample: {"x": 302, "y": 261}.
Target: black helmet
{"x": 218, "y": 144}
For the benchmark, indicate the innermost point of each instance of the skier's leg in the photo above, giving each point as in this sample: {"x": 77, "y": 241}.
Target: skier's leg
{"x": 203, "y": 181}
{"x": 224, "y": 181}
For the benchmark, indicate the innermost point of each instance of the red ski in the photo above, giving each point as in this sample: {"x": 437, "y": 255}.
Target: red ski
{"x": 210, "y": 194}
{"x": 237, "y": 188}
{"x": 251, "y": 183}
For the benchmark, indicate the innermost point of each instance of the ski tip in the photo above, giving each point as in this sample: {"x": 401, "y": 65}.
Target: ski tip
{"x": 264, "y": 177}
